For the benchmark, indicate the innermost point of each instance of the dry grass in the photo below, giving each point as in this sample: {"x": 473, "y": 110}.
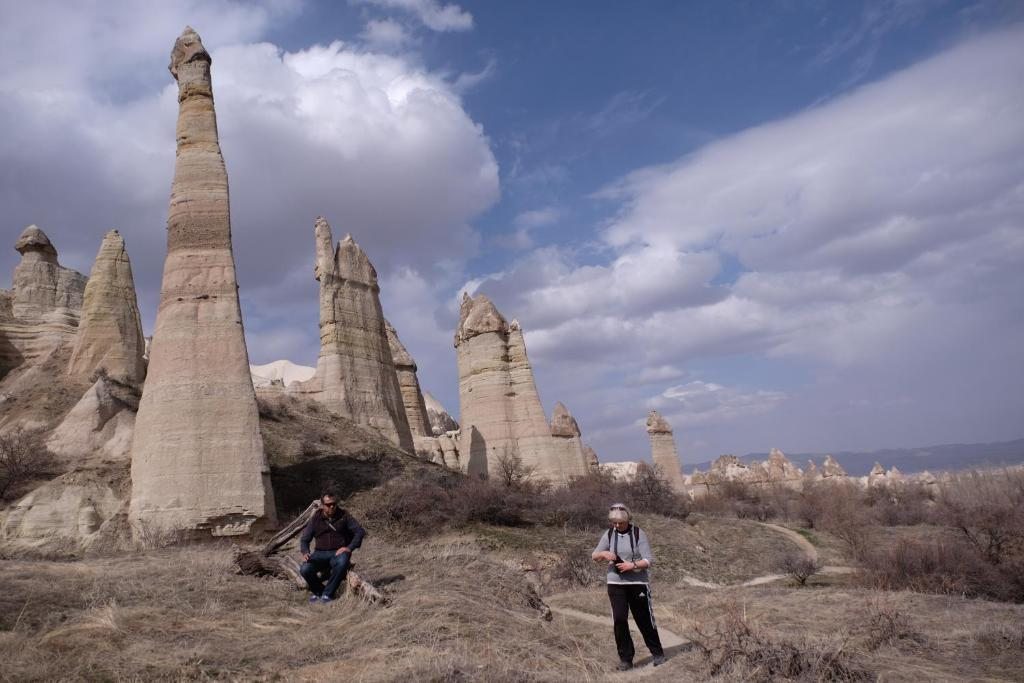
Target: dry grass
{"x": 183, "y": 614}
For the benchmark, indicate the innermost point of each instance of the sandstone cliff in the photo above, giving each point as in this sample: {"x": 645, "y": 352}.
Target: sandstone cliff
{"x": 110, "y": 331}
{"x": 197, "y": 457}
{"x": 355, "y": 374}
{"x": 440, "y": 420}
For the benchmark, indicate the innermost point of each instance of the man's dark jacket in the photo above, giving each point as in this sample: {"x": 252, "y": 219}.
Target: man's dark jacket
{"x": 346, "y": 532}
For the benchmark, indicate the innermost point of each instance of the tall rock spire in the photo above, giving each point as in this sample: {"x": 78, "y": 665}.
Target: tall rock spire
{"x": 663, "y": 450}
{"x": 501, "y": 412}
{"x": 355, "y": 373}
{"x": 110, "y": 331}
{"x": 412, "y": 395}
{"x": 197, "y": 457}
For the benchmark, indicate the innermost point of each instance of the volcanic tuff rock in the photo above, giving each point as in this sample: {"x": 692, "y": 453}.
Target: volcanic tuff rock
{"x": 283, "y": 372}
{"x": 502, "y": 416}
{"x": 563, "y": 423}
{"x": 440, "y": 420}
{"x": 591, "y": 457}
{"x": 41, "y": 312}
{"x": 663, "y": 450}
{"x": 355, "y": 374}
{"x": 110, "y": 331}
{"x": 100, "y": 426}
{"x": 412, "y": 396}
{"x": 197, "y": 456}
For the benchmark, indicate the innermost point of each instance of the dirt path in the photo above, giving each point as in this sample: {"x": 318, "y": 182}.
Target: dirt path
{"x": 671, "y": 642}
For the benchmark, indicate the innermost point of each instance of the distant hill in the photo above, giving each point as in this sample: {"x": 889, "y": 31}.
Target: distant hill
{"x": 956, "y": 456}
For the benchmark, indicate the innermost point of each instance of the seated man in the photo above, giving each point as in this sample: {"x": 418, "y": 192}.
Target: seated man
{"x": 337, "y": 534}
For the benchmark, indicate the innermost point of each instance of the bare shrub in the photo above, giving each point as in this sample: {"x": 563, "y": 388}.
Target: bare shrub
{"x": 732, "y": 643}
{"x": 1000, "y": 639}
{"x": 649, "y": 491}
{"x": 799, "y": 566}
{"x": 575, "y": 568}
{"x": 512, "y": 473}
{"x": 988, "y": 509}
{"x": 882, "y": 623}
{"x": 846, "y": 517}
{"x": 583, "y": 502}
{"x": 900, "y": 504}
{"x": 23, "y": 458}
{"x": 940, "y": 566}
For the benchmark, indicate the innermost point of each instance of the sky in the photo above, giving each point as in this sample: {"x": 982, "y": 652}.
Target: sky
{"x": 793, "y": 224}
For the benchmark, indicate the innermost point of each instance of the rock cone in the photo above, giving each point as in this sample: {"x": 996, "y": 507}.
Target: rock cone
{"x": 502, "y": 416}
{"x": 663, "y": 450}
{"x": 440, "y": 420}
{"x": 110, "y": 331}
{"x": 355, "y": 374}
{"x": 197, "y": 455}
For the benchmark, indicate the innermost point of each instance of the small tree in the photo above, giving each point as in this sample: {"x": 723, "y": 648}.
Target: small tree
{"x": 23, "y": 457}
{"x": 800, "y": 566}
{"x": 512, "y": 473}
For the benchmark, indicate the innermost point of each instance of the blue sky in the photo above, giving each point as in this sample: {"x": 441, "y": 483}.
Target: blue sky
{"x": 783, "y": 224}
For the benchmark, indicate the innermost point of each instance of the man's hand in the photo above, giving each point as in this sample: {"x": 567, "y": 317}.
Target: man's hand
{"x": 342, "y": 550}
{"x": 604, "y": 555}
{"x": 305, "y": 557}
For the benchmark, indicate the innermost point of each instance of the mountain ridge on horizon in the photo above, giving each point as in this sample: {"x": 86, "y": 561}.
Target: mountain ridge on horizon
{"x": 956, "y": 456}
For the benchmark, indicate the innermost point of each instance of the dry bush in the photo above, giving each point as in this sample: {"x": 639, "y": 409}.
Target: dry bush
{"x": 900, "y": 504}
{"x": 23, "y": 458}
{"x": 513, "y": 474}
{"x": 583, "y": 502}
{"x": 733, "y": 644}
{"x": 799, "y": 566}
{"x": 988, "y": 509}
{"x": 882, "y": 623}
{"x": 941, "y": 566}
{"x": 847, "y": 518}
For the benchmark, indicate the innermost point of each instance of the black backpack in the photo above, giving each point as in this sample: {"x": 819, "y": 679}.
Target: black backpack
{"x": 634, "y": 539}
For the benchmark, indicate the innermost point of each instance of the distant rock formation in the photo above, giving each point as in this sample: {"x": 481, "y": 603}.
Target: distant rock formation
{"x": 566, "y": 434}
{"x": 40, "y": 313}
{"x": 110, "y": 331}
{"x": 355, "y": 374}
{"x": 412, "y": 396}
{"x": 197, "y": 457}
{"x": 663, "y": 450}
{"x": 279, "y": 373}
{"x": 501, "y": 413}
{"x": 440, "y": 420}
{"x": 831, "y": 468}
{"x": 591, "y": 457}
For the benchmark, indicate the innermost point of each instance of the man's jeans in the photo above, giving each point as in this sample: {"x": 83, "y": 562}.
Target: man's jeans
{"x": 322, "y": 560}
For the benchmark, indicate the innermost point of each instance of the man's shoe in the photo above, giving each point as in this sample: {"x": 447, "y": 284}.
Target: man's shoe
{"x": 326, "y": 599}
{"x": 624, "y": 665}
{"x": 314, "y": 599}
{"x": 659, "y": 660}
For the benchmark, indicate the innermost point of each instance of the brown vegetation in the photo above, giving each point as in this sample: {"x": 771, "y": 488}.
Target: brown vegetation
{"x": 24, "y": 458}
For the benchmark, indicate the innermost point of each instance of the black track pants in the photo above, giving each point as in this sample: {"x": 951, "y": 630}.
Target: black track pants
{"x": 635, "y": 598}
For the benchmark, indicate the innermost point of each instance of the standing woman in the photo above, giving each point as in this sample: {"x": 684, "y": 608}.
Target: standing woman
{"x": 628, "y": 553}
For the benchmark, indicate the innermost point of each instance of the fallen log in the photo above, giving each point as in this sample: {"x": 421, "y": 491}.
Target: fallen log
{"x": 267, "y": 562}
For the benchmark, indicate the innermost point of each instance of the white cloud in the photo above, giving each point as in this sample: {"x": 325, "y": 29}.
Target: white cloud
{"x": 385, "y": 34}
{"x": 378, "y": 144}
{"x": 871, "y": 248}
{"x": 433, "y": 14}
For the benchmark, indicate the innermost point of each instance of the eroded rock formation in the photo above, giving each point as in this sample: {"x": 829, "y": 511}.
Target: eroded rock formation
{"x": 110, "y": 331}
{"x": 355, "y": 374}
{"x": 501, "y": 413}
{"x": 409, "y": 383}
{"x": 440, "y": 420}
{"x": 197, "y": 456}
{"x": 40, "y": 313}
{"x": 663, "y": 450}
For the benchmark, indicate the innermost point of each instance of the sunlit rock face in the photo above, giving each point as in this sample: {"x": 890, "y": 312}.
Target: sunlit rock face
{"x": 355, "y": 374}
{"x": 663, "y": 450}
{"x": 197, "y": 456}
{"x": 110, "y": 331}
{"x": 501, "y": 413}
{"x": 440, "y": 420}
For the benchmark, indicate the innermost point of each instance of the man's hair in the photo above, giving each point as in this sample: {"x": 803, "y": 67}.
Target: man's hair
{"x": 328, "y": 494}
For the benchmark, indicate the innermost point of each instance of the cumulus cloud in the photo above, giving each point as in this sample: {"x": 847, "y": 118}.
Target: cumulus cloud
{"x": 377, "y": 143}
{"x": 433, "y": 14}
{"x": 872, "y": 245}
{"x": 385, "y": 34}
